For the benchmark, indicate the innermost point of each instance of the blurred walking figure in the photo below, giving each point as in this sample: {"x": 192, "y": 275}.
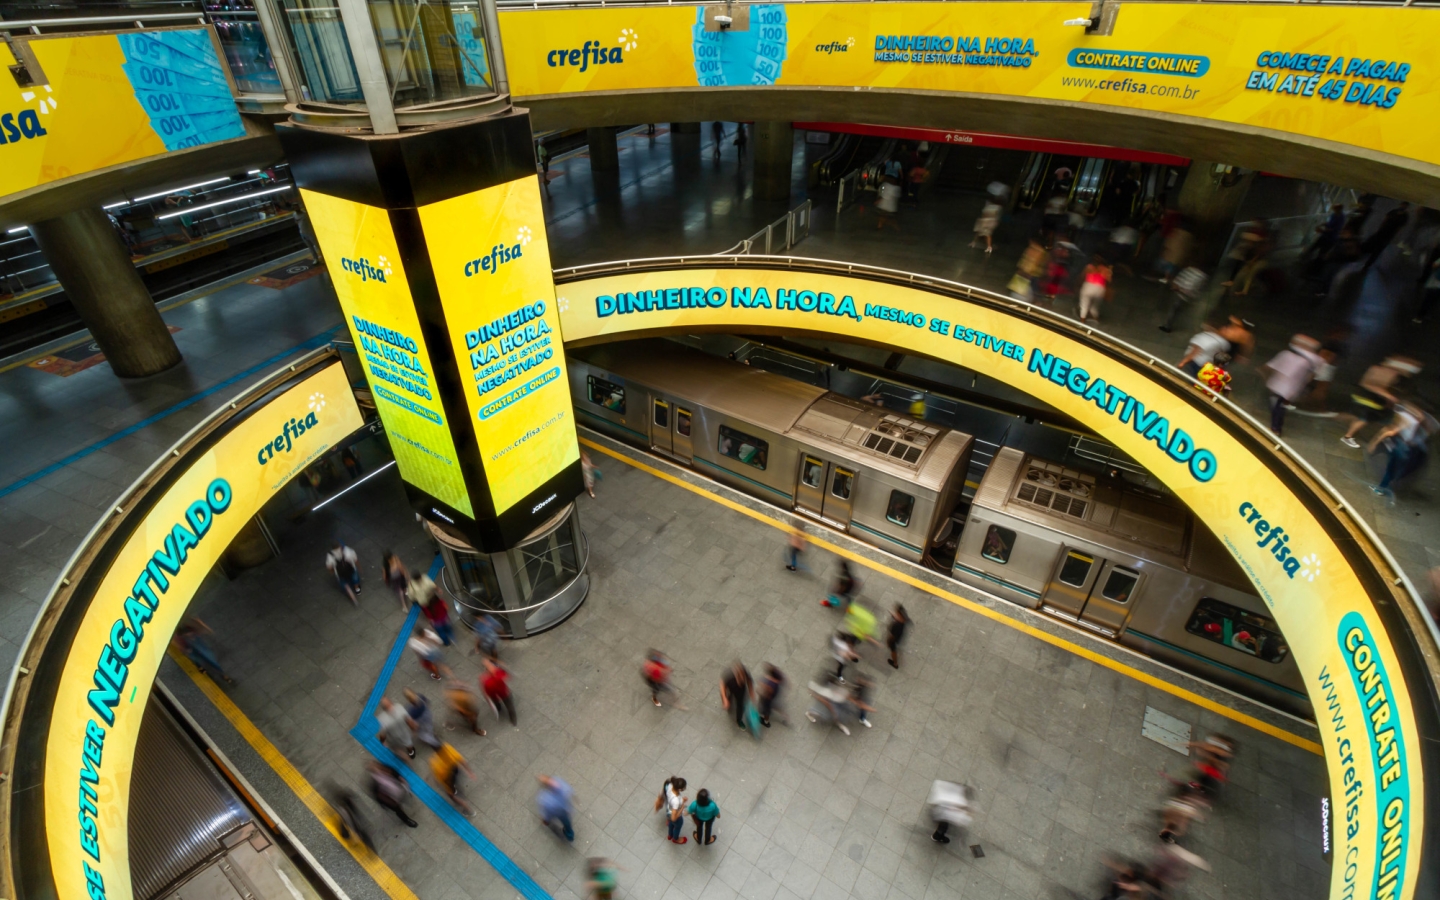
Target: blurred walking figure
{"x": 190, "y": 640}
{"x": 389, "y": 790}
{"x": 772, "y": 685}
{"x": 1187, "y": 286}
{"x": 842, "y": 650}
{"x": 1179, "y": 811}
{"x": 556, "y": 800}
{"x": 832, "y": 701}
{"x": 487, "y": 636}
{"x": 736, "y": 691}
{"x": 589, "y": 472}
{"x": 1057, "y": 274}
{"x": 396, "y": 728}
{"x": 1031, "y": 266}
{"x": 1390, "y": 226}
{"x": 495, "y": 682}
{"x": 1378, "y": 394}
{"x": 795, "y": 548}
{"x": 603, "y": 880}
{"x": 949, "y": 804}
{"x": 345, "y": 566}
{"x": 1212, "y": 762}
{"x": 717, "y": 132}
{"x": 985, "y": 226}
{"x": 397, "y": 577}
{"x": 844, "y": 589}
{"x": 417, "y": 707}
{"x": 422, "y": 591}
{"x": 464, "y": 704}
{"x": 1405, "y": 439}
{"x": 428, "y": 650}
{"x": 895, "y": 633}
{"x": 446, "y": 765}
{"x": 672, "y": 801}
{"x": 703, "y": 812}
{"x": 860, "y": 689}
{"x": 1290, "y": 372}
{"x": 348, "y": 819}
{"x": 656, "y": 671}
{"x": 887, "y": 205}
{"x": 740, "y": 138}
{"x": 351, "y": 463}
{"x": 1095, "y": 288}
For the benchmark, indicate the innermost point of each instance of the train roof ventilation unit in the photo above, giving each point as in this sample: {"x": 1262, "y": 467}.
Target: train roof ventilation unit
{"x": 899, "y": 438}
{"x": 1058, "y": 489}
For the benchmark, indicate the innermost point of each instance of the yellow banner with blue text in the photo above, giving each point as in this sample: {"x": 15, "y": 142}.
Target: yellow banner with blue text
{"x": 369, "y": 279}
{"x": 106, "y": 99}
{"x": 141, "y": 599}
{"x": 1363, "y": 705}
{"x": 492, "y": 265}
{"x": 1350, "y": 74}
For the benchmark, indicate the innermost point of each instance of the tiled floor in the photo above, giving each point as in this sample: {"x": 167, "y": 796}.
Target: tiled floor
{"x": 1051, "y": 741}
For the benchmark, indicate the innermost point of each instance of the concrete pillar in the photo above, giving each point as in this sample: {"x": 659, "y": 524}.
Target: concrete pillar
{"x": 774, "y": 155}
{"x": 684, "y": 127}
{"x": 93, "y": 266}
{"x": 604, "y": 152}
{"x": 1210, "y": 205}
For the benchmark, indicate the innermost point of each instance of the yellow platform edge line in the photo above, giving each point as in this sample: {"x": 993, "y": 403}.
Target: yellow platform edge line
{"x": 384, "y": 876}
{"x": 982, "y": 610}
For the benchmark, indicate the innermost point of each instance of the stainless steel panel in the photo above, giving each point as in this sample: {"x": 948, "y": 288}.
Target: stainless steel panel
{"x": 1111, "y": 598}
{"x": 840, "y": 495}
{"x": 660, "y": 424}
{"x": 684, "y": 426}
{"x": 1070, "y": 585}
{"x": 810, "y": 484}
{"x": 180, "y": 807}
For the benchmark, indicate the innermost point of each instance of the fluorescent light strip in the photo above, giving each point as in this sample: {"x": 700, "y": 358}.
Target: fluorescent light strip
{"x": 177, "y": 190}
{"x": 18, "y": 230}
{"x": 191, "y": 209}
{"x": 352, "y": 487}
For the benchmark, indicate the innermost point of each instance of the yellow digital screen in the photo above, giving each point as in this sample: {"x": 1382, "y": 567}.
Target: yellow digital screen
{"x": 369, "y": 277}
{"x": 1348, "y": 74}
{"x": 142, "y": 597}
{"x": 1366, "y": 719}
{"x": 492, "y": 266}
{"x": 105, "y": 99}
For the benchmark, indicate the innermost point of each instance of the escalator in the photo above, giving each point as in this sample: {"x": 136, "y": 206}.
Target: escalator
{"x": 873, "y": 169}
{"x": 1032, "y": 180}
{"x": 1088, "y": 188}
{"x": 836, "y": 162}
{"x": 971, "y": 169}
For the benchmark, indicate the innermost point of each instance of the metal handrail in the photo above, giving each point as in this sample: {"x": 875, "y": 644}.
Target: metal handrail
{"x": 1058, "y": 322}
{"x": 765, "y": 237}
{"x": 138, "y": 21}
{"x": 589, "y": 4}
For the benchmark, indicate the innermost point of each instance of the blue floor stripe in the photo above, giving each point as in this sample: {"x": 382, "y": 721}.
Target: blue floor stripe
{"x": 316, "y": 341}
{"x": 365, "y": 731}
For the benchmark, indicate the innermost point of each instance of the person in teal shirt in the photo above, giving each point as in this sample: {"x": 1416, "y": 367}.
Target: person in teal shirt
{"x": 704, "y": 811}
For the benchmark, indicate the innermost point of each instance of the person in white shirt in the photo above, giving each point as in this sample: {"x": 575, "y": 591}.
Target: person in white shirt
{"x": 1290, "y": 372}
{"x": 949, "y": 804}
{"x": 1201, "y": 350}
{"x": 345, "y": 566}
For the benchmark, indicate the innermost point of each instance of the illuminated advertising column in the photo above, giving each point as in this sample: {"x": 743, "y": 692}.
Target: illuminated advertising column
{"x": 435, "y": 244}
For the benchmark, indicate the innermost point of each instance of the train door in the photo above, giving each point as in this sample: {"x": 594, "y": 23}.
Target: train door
{"x": 660, "y": 425}
{"x": 680, "y": 439}
{"x": 825, "y": 489}
{"x": 1091, "y": 591}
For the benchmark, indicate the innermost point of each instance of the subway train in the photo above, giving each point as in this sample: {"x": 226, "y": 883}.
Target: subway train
{"x": 1124, "y": 561}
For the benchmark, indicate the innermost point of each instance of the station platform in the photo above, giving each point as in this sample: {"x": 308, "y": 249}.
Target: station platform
{"x": 1045, "y": 722}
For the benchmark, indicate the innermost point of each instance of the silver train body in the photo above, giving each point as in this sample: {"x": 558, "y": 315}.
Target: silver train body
{"x": 1127, "y": 563}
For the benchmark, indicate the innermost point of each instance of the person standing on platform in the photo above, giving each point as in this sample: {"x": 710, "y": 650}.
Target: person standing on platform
{"x": 740, "y": 139}
{"x": 397, "y": 577}
{"x": 717, "y": 132}
{"x": 672, "y": 801}
{"x": 589, "y": 472}
{"x": 985, "y": 226}
{"x": 388, "y": 789}
{"x": 736, "y": 691}
{"x": 895, "y": 633}
{"x": 556, "y": 801}
{"x": 795, "y": 548}
{"x": 417, "y": 707}
{"x": 344, "y": 564}
{"x": 464, "y": 704}
{"x": 446, "y": 765}
{"x": 703, "y": 812}
{"x": 495, "y": 682}
{"x": 396, "y": 728}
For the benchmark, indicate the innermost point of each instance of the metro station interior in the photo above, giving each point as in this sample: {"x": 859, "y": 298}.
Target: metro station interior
{"x": 889, "y": 450}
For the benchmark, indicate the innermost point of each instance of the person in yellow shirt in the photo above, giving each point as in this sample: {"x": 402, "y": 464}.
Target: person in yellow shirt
{"x": 446, "y": 765}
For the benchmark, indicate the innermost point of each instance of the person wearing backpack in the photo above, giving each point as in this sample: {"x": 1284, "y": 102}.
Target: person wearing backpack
{"x": 344, "y": 564}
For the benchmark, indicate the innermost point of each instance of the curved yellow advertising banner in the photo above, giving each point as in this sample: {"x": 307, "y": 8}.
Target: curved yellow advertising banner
{"x": 116, "y": 653}
{"x": 1358, "y": 76}
{"x": 1362, "y": 702}
{"x": 106, "y": 99}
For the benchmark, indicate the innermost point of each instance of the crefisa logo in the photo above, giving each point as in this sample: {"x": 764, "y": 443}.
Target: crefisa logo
{"x": 292, "y": 429}
{"x": 367, "y": 272}
{"x": 835, "y": 46}
{"x": 594, "y": 53}
{"x": 19, "y": 126}
{"x": 499, "y": 255}
{"x": 1276, "y": 540}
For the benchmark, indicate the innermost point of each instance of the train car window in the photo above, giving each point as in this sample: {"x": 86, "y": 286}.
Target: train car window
{"x": 841, "y": 483}
{"x": 682, "y": 422}
{"x": 1238, "y": 629}
{"x": 738, "y": 445}
{"x": 605, "y": 394}
{"x": 1120, "y": 585}
{"x": 998, "y": 544}
{"x": 812, "y": 472}
{"x": 662, "y": 414}
{"x": 900, "y": 508}
{"x": 1076, "y": 569}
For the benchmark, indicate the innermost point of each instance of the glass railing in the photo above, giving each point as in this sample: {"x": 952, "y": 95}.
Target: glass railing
{"x": 432, "y": 52}
{"x": 237, "y": 25}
